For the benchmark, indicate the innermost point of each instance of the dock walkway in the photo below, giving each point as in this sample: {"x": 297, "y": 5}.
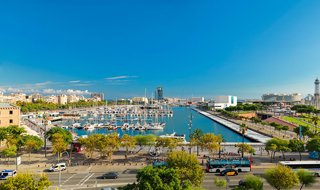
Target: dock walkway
{"x": 249, "y": 134}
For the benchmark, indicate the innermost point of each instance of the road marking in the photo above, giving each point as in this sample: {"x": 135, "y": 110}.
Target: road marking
{"x": 68, "y": 179}
{"x": 83, "y": 179}
{"x": 87, "y": 179}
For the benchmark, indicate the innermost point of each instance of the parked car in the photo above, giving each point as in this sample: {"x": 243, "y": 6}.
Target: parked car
{"x": 229, "y": 172}
{"x": 5, "y": 174}
{"x": 110, "y": 175}
{"x": 58, "y": 167}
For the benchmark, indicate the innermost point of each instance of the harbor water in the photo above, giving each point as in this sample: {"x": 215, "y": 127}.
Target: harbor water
{"x": 179, "y": 124}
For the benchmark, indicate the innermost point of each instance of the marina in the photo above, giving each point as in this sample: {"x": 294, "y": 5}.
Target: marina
{"x": 173, "y": 122}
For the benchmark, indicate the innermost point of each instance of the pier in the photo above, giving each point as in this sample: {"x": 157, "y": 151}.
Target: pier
{"x": 235, "y": 127}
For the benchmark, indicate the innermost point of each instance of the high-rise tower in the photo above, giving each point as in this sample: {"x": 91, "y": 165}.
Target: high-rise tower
{"x": 316, "y": 94}
{"x": 159, "y": 94}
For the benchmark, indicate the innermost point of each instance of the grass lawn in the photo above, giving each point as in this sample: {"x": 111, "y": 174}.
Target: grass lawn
{"x": 297, "y": 121}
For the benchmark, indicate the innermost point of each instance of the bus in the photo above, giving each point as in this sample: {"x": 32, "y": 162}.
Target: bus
{"x": 312, "y": 166}
{"x": 239, "y": 164}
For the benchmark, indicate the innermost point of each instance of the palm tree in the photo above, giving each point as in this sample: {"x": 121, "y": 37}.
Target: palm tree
{"x": 243, "y": 129}
{"x": 315, "y": 120}
{"x": 195, "y": 137}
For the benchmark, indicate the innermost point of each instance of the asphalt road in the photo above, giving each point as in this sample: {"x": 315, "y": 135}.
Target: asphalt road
{"x": 90, "y": 181}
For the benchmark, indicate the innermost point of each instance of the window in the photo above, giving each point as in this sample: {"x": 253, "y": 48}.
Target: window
{"x": 11, "y": 121}
{"x": 10, "y": 112}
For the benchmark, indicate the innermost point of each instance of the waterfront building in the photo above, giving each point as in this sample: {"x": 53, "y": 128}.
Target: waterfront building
{"x": 62, "y": 99}
{"x": 140, "y": 100}
{"x": 51, "y": 99}
{"x": 288, "y": 98}
{"x": 159, "y": 94}
{"x": 98, "y": 96}
{"x": 194, "y": 100}
{"x": 9, "y": 115}
{"x": 36, "y": 97}
{"x": 72, "y": 98}
{"x": 308, "y": 100}
{"x": 222, "y": 102}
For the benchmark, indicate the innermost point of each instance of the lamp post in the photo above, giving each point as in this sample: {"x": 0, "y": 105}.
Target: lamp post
{"x": 190, "y": 128}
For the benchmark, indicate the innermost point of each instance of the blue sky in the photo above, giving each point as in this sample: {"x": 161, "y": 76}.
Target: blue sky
{"x": 190, "y": 48}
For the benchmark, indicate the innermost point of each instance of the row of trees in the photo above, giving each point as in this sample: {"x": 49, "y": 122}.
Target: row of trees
{"x": 26, "y": 181}
{"x": 245, "y": 107}
{"x": 294, "y": 145}
{"x": 16, "y": 140}
{"x": 305, "y": 109}
{"x": 41, "y": 105}
{"x": 105, "y": 145}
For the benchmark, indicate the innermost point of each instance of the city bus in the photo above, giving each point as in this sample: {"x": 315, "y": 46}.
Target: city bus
{"x": 218, "y": 165}
{"x": 312, "y": 166}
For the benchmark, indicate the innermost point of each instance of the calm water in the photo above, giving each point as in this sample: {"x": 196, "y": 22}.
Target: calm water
{"x": 179, "y": 124}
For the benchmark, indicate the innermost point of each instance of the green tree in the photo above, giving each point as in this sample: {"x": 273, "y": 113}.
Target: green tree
{"x": 243, "y": 129}
{"x": 281, "y": 177}
{"x": 67, "y": 136}
{"x": 306, "y": 178}
{"x": 195, "y": 138}
{"x": 58, "y": 144}
{"x": 89, "y": 143}
{"x": 188, "y": 167}
{"x": 145, "y": 140}
{"x": 277, "y": 145}
{"x": 296, "y": 146}
{"x": 107, "y": 144}
{"x": 305, "y": 130}
{"x": 246, "y": 148}
{"x": 150, "y": 178}
{"x": 210, "y": 142}
{"x": 128, "y": 142}
{"x": 314, "y": 145}
{"x": 315, "y": 120}
{"x": 169, "y": 143}
{"x": 252, "y": 182}
{"x": 220, "y": 183}
{"x": 32, "y": 143}
{"x": 26, "y": 182}
{"x": 9, "y": 152}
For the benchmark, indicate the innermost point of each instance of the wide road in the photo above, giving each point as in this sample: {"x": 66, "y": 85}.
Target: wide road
{"x": 90, "y": 181}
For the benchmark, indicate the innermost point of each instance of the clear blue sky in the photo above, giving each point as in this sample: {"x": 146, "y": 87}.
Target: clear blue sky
{"x": 190, "y": 48}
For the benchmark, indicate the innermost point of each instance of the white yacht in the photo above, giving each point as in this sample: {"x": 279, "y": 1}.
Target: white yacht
{"x": 174, "y": 136}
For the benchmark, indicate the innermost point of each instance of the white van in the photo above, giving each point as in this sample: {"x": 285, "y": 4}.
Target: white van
{"x": 58, "y": 167}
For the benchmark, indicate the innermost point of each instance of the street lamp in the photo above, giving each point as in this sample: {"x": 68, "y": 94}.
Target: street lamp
{"x": 190, "y": 128}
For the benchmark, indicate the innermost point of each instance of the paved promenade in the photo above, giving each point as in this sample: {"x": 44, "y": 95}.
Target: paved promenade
{"x": 250, "y": 134}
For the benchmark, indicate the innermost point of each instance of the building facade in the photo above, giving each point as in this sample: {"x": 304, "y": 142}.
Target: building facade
{"x": 98, "y": 96}
{"x": 9, "y": 115}
{"x": 273, "y": 97}
{"x": 159, "y": 94}
{"x": 222, "y": 102}
{"x": 316, "y": 94}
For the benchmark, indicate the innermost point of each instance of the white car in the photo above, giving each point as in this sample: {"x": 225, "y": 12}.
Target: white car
{"x": 5, "y": 174}
{"x": 58, "y": 167}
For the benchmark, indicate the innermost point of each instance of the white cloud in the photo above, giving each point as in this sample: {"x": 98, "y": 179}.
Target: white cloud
{"x": 120, "y": 77}
{"x": 74, "y": 81}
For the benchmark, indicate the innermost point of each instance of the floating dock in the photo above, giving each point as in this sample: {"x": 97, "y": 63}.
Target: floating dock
{"x": 235, "y": 127}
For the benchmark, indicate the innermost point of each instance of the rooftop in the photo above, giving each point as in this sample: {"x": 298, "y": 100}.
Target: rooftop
{"x": 6, "y": 105}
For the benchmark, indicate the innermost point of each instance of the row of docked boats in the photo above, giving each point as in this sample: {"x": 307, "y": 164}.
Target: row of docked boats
{"x": 114, "y": 126}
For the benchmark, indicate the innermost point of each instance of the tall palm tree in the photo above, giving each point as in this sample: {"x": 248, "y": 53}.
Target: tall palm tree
{"x": 243, "y": 129}
{"x": 195, "y": 138}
